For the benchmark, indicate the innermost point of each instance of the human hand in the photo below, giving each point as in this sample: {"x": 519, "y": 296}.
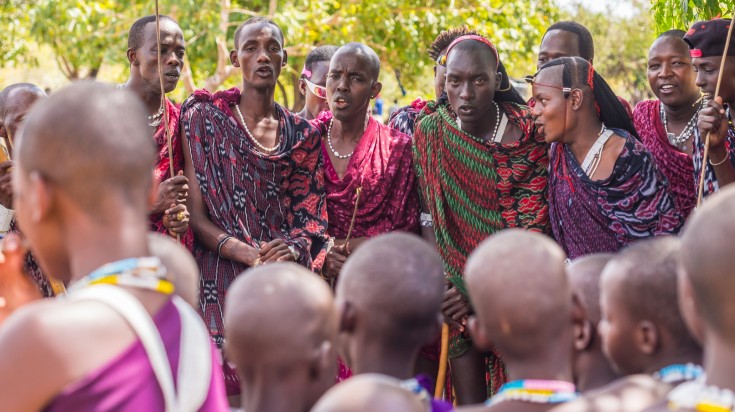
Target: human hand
{"x": 176, "y": 219}
{"x": 16, "y": 289}
{"x": 713, "y": 120}
{"x": 172, "y": 191}
{"x": 456, "y": 308}
{"x": 276, "y": 250}
{"x": 335, "y": 260}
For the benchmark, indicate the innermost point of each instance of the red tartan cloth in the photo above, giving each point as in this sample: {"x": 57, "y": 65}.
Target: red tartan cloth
{"x": 163, "y": 162}
{"x": 382, "y": 164}
{"x": 251, "y": 195}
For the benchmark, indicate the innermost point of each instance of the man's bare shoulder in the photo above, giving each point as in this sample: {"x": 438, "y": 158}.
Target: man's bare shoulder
{"x": 629, "y": 394}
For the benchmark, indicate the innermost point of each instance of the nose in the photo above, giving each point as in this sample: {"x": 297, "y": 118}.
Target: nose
{"x": 343, "y": 84}
{"x": 700, "y": 82}
{"x": 263, "y": 56}
{"x": 467, "y": 92}
{"x": 536, "y": 110}
{"x": 665, "y": 71}
{"x": 174, "y": 60}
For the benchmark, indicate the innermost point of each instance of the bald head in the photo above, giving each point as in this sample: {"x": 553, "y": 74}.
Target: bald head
{"x": 15, "y": 102}
{"x": 368, "y": 393}
{"x": 518, "y": 286}
{"x": 366, "y": 54}
{"x": 709, "y": 261}
{"x": 584, "y": 277}
{"x": 395, "y": 284}
{"x": 278, "y": 315}
{"x": 93, "y": 143}
{"x": 181, "y": 266}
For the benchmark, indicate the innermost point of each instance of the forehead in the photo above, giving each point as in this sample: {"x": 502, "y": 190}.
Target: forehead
{"x": 20, "y": 100}
{"x": 551, "y": 76}
{"x": 560, "y": 42}
{"x": 352, "y": 60}
{"x": 262, "y": 31}
{"x": 319, "y": 72}
{"x": 168, "y": 29}
{"x": 668, "y": 46}
{"x": 708, "y": 61}
{"x": 474, "y": 61}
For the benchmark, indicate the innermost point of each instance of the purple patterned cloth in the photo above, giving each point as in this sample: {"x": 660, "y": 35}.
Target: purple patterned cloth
{"x": 603, "y": 216}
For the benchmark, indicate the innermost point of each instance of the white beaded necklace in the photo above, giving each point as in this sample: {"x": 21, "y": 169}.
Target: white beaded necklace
{"x": 680, "y": 141}
{"x": 252, "y": 136}
{"x": 329, "y": 138}
{"x": 594, "y": 155}
{"x": 692, "y": 395}
{"x": 494, "y": 136}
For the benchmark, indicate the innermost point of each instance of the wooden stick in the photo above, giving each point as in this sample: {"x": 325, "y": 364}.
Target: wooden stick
{"x": 358, "y": 191}
{"x": 166, "y": 130}
{"x": 441, "y": 377}
{"x": 717, "y": 93}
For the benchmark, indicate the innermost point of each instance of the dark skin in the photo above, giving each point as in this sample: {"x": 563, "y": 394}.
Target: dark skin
{"x": 673, "y": 81}
{"x": 572, "y": 121}
{"x": 314, "y": 104}
{"x": 144, "y": 81}
{"x": 713, "y": 118}
{"x": 557, "y": 43}
{"x": 260, "y": 57}
{"x": 351, "y": 84}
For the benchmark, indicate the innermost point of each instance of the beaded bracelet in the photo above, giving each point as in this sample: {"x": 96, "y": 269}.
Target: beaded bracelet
{"x": 222, "y": 243}
{"x": 727, "y": 156}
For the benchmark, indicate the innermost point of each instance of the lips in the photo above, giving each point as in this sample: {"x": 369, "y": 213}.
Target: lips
{"x": 539, "y": 128}
{"x": 466, "y": 109}
{"x": 173, "y": 75}
{"x": 667, "y": 88}
{"x": 264, "y": 71}
{"x": 340, "y": 101}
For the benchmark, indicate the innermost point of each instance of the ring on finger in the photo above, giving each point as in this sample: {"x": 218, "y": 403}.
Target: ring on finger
{"x": 180, "y": 216}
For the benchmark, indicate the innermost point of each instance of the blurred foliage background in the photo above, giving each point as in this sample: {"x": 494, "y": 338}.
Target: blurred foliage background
{"x": 51, "y": 42}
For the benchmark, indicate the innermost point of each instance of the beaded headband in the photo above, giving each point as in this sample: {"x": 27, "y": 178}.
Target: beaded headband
{"x": 475, "y": 37}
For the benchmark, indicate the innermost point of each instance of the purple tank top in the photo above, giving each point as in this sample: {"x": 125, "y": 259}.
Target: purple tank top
{"x": 127, "y": 383}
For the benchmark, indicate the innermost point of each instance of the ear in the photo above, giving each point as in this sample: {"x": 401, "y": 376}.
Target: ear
{"x": 347, "y": 317}
{"x": 583, "y": 330}
{"x": 576, "y": 98}
{"x": 647, "y": 337}
{"x": 322, "y": 360}
{"x": 478, "y": 334}
{"x": 375, "y": 90}
{"x": 233, "y": 58}
{"x": 498, "y": 80}
{"x": 132, "y": 58}
{"x": 285, "y": 59}
{"x": 302, "y": 86}
{"x": 40, "y": 197}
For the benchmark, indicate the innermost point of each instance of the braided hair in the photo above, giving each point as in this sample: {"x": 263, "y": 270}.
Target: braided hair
{"x": 579, "y": 73}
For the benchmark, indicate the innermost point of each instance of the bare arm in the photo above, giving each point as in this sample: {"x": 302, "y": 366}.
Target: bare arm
{"x": 207, "y": 232}
{"x": 713, "y": 120}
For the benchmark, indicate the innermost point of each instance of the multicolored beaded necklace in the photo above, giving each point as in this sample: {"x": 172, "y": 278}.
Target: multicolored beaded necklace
{"x": 699, "y": 396}
{"x": 679, "y": 373}
{"x": 143, "y": 273}
{"x": 535, "y": 391}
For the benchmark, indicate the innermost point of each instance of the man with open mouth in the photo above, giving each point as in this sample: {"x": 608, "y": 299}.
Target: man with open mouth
{"x": 169, "y": 213}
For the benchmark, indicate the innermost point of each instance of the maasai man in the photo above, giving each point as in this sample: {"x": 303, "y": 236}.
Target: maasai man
{"x": 255, "y": 172}
{"x": 643, "y": 332}
{"x": 169, "y": 214}
{"x": 288, "y": 365}
{"x": 91, "y": 357}
{"x": 705, "y": 298}
{"x": 604, "y": 189}
{"x": 591, "y": 369}
{"x": 481, "y": 168}
{"x": 569, "y": 39}
{"x": 389, "y": 311}
{"x": 371, "y": 392}
{"x": 523, "y": 304}
{"x": 16, "y": 101}
{"x": 368, "y": 167}
{"x": 313, "y": 81}
{"x": 666, "y": 125}
{"x": 404, "y": 120}
{"x": 706, "y": 40}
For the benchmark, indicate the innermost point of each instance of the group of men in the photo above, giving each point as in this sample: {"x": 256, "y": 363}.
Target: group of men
{"x": 289, "y": 218}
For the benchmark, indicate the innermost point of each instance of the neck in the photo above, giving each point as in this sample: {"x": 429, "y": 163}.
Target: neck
{"x": 89, "y": 247}
{"x": 552, "y": 363}
{"x": 682, "y": 113}
{"x": 264, "y": 392}
{"x": 595, "y": 373}
{"x": 681, "y": 358}
{"x": 581, "y": 138}
{"x": 350, "y": 130}
{"x": 151, "y": 98}
{"x": 378, "y": 357}
{"x": 257, "y": 103}
{"x": 719, "y": 362}
{"x": 306, "y": 114}
{"x": 484, "y": 126}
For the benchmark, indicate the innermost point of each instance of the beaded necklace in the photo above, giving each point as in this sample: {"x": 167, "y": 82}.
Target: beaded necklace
{"x": 699, "y": 396}
{"x": 680, "y": 141}
{"x": 329, "y": 138}
{"x": 252, "y": 136}
{"x": 594, "y": 155}
{"x": 143, "y": 273}
{"x": 679, "y": 373}
{"x": 535, "y": 391}
{"x": 494, "y": 136}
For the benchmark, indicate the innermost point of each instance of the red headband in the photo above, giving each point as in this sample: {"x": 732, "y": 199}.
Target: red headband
{"x": 475, "y": 38}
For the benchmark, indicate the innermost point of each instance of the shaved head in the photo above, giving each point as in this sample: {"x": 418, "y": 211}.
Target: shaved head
{"x": 280, "y": 317}
{"x": 93, "y": 143}
{"x": 364, "y": 52}
{"x": 584, "y": 277}
{"x": 709, "y": 261}
{"x": 15, "y": 101}
{"x": 395, "y": 284}
{"x": 182, "y": 268}
{"x": 370, "y": 392}
{"x": 519, "y": 289}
